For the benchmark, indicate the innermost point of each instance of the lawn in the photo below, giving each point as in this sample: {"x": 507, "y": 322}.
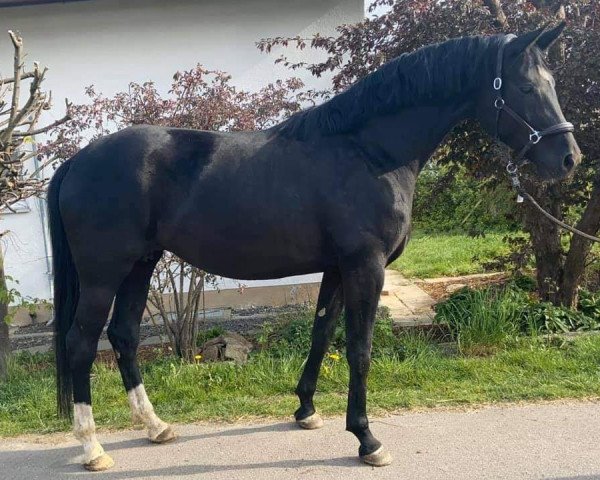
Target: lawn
{"x": 531, "y": 369}
{"x": 440, "y": 255}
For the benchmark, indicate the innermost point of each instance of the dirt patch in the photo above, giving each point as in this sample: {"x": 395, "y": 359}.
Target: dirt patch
{"x": 145, "y": 353}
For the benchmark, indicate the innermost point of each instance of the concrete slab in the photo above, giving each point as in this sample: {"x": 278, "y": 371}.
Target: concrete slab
{"x": 409, "y": 305}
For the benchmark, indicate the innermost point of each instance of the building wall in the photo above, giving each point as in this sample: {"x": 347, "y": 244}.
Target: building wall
{"x": 109, "y": 43}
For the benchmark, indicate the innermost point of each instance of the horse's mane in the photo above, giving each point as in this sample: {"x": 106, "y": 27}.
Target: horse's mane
{"x": 430, "y": 75}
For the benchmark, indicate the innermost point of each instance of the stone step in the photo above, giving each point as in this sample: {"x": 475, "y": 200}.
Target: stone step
{"x": 408, "y": 304}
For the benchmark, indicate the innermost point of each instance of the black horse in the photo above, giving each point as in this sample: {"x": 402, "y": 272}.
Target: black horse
{"x": 328, "y": 190}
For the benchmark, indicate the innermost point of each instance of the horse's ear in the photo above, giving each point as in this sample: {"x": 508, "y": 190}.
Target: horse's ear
{"x": 525, "y": 41}
{"x": 546, "y": 39}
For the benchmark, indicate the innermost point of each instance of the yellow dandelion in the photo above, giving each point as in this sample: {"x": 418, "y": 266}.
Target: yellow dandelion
{"x": 334, "y": 356}
{"x": 198, "y": 357}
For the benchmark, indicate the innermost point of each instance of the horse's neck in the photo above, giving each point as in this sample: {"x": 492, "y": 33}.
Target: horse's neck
{"x": 408, "y": 138}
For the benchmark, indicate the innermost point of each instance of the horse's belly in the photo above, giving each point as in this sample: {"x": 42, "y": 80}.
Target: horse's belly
{"x": 249, "y": 253}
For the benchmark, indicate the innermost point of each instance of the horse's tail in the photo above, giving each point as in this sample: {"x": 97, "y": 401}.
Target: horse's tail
{"x": 66, "y": 293}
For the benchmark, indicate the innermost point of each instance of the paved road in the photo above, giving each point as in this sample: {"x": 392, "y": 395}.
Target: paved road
{"x": 552, "y": 441}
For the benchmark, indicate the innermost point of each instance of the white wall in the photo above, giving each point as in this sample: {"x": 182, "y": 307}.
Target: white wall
{"x": 110, "y": 43}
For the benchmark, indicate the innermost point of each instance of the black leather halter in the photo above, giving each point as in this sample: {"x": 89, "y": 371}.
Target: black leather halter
{"x": 535, "y": 135}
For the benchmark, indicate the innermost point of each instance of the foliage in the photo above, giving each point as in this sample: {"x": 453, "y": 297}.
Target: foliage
{"x": 449, "y": 200}
{"x": 435, "y": 255}
{"x": 209, "y": 334}
{"x": 291, "y": 334}
{"x": 545, "y": 317}
{"x": 589, "y": 304}
{"x": 198, "y": 98}
{"x": 484, "y": 320}
{"x": 481, "y": 320}
{"x": 359, "y": 49}
{"x": 533, "y": 369}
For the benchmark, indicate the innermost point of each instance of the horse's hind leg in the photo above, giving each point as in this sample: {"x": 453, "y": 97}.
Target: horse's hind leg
{"x": 329, "y": 306}
{"x": 124, "y": 335}
{"x": 82, "y": 343}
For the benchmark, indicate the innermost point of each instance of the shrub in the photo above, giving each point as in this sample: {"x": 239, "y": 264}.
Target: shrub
{"x": 291, "y": 334}
{"x": 447, "y": 199}
{"x": 482, "y": 321}
{"x": 208, "y": 334}
{"x": 589, "y": 304}
{"x": 547, "y": 318}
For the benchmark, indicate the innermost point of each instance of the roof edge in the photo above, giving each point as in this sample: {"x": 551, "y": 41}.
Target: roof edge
{"x": 26, "y": 3}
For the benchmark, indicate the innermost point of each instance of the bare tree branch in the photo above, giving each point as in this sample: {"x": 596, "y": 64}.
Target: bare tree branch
{"x": 23, "y": 76}
{"x": 41, "y": 130}
{"x": 16, "y": 183}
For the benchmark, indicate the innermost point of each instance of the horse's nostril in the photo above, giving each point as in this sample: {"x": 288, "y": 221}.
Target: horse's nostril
{"x": 569, "y": 162}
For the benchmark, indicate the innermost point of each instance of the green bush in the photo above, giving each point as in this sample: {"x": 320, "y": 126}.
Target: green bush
{"x": 548, "y": 318}
{"x": 484, "y": 320}
{"x": 447, "y": 199}
{"x": 291, "y": 334}
{"x": 415, "y": 345}
{"x": 589, "y": 304}
{"x": 208, "y": 334}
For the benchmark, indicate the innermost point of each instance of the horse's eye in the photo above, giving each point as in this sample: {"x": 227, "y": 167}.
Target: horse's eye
{"x": 528, "y": 88}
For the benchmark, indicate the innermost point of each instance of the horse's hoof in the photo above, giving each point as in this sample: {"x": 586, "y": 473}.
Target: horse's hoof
{"x": 99, "y": 464}
{"x": 166, "y": 436}
{"x": 379, "y": 458}
{"x": 311, "y": 423}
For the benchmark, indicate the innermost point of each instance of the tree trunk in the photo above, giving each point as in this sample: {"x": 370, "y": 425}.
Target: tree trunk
{"x": 4, "y": 340}
{"x": 545, "y": 238}
{"x": 574, "y": 266}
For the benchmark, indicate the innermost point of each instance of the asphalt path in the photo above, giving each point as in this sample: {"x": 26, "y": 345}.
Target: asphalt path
{"x": 559, "y": 441}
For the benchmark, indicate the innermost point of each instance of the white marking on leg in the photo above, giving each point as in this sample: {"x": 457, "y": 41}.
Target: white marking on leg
{"x": 322, "y": 312}
{"x": 84, "y": 429}
{"x": 142, "y": 409}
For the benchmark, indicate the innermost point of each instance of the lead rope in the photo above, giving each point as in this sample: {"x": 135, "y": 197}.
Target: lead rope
{"x": 513, "y": 173}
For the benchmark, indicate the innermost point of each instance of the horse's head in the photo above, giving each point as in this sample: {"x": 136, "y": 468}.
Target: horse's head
{"x": 520, "y": 107}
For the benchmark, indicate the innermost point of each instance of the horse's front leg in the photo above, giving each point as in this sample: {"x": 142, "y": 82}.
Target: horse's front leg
{"x": 362, "y": 279}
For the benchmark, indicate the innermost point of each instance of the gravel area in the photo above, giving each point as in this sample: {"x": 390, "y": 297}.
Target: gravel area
{"x": 245, "y": 322}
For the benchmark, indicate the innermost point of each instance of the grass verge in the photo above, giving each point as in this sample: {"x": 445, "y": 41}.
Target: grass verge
{"x": 428, "y": 256}
{"x": 530, "y": 369}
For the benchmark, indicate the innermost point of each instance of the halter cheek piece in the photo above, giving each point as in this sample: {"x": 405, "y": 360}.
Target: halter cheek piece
{"x": 535, "y": 136}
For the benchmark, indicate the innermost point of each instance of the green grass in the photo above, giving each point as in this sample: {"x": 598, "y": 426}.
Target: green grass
{"x": 439, "y": 255}
{"x": 484, "y": 319}
{"x": 529, "y": 370}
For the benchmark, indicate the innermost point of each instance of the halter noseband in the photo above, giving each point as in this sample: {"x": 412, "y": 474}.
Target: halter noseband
{"x": 535, "y": 135}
